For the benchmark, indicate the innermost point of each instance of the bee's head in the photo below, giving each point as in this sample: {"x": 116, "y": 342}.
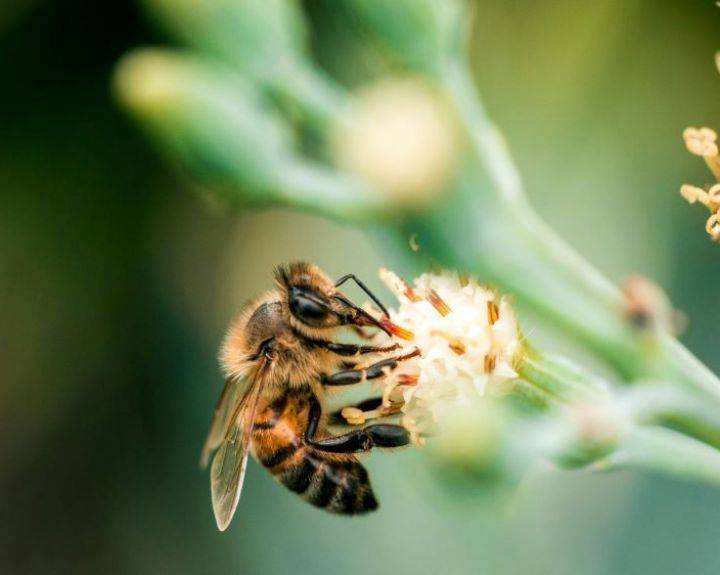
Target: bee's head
{"x": 314, "y": 302}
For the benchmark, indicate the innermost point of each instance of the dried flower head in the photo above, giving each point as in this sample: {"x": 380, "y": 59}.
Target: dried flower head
{"x": 468, "y": 341}
{"x": 703, "y": 142}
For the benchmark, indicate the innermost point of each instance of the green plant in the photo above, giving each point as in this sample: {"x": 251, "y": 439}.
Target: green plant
{"x": 251, "y": 114}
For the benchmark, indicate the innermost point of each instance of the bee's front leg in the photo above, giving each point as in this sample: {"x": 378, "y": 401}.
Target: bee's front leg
{"x": 374, "y": 371}
{"x": 349, "y": 349}
{"x": 378, "y": 435}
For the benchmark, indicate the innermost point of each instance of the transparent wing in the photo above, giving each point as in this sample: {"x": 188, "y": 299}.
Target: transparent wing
{"x": 227, "y": 471}
{"x": 233, "y": 395}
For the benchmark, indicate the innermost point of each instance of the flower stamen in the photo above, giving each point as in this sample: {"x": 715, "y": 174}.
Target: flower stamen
{"x": 712, "y": 226}
{"x": 396, "y": 330}
{"x": 407, "y": 379}
{"x": 454, "y": 343}
{"x": 457, "y": 356}
{"x": 489, "y": 363}
{"x": 437, "y": 302}
{"x": 493, "y": 312}
{"x": 398, "y": 285}
{"x": 694, "y": 194}
{"x": 713, "y": 195}
{"x": 703, "y": 142}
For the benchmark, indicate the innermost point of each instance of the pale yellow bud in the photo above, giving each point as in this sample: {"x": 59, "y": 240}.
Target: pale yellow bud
{"x": 147, "y": 79}
{"x": 401, "y": 137}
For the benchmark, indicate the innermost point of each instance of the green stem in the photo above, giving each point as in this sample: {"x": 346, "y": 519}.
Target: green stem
{"x": 660, "y": 404}
{"x": 664, "y": 450}
{"x": 558, "y": 377}
{"x": 319, "y": 98}
{"x": 538, "y": 266}
{"x": 318, "y": 189}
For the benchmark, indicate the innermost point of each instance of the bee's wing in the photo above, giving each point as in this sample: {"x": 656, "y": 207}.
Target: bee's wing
{"x": 233, "y": 395}
{"x": 228, "y": 467}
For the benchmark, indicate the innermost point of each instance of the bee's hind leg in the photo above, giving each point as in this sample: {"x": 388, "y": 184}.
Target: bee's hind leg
{"x": 376, "y": 435}
{"x": 359, "y": 413}
{"x": 370, "y": 404}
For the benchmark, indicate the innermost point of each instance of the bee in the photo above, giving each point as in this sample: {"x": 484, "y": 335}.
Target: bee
{"x": 279, "y": 356}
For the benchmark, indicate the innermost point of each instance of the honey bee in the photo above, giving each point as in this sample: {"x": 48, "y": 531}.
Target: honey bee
{"x": 279, "y": 356}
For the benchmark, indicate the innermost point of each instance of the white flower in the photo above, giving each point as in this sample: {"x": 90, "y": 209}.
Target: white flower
{"x": 467, "y": 337}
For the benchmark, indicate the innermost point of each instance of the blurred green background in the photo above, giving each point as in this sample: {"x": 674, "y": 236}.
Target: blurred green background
{"x": 117, "y": 280}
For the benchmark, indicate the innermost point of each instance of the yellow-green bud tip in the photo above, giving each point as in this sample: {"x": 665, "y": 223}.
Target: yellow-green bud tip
{"x": 147, "y": 79}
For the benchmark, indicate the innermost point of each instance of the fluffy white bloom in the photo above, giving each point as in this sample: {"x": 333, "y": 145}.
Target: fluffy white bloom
{"x": 468, "y": 339}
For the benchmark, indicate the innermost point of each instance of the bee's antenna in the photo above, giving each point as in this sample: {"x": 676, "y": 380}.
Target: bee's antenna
{"x": 363, "y": 287}
{"x": 363, "y": 313}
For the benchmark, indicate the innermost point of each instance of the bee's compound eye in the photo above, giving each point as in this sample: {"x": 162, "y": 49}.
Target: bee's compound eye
{"x": 307, "y": 308}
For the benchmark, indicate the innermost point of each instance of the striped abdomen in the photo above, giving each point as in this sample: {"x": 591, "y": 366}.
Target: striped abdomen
{"x": 334, "y": 482}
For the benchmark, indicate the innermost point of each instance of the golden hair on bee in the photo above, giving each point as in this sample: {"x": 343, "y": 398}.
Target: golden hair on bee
{"x": 278, "y": 356}
{"x": 262, "y": 338}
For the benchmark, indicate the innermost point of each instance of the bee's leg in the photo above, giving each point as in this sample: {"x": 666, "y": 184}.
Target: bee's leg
{"x": 353, "y": 376}
{"x": 373, "y": 371}
{"x": 367, "y": 404}
{"x": 377, "y": 435}
{"x": 376, "y": 408}
{"x": 348, "y": 349}
{"x": 371, "y": 404}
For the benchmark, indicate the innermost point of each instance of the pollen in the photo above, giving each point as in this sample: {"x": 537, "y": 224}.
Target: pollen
{"x": 353, "y": 415}
{"x": 703, "y": 142}
{"x": 466, "y": 341}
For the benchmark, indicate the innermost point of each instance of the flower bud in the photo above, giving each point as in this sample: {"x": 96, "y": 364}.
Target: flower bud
{"x": 260, "y": 36}
{"x": 399, "y": 136}
{"x": 589, "y": 432}
{"x": 206, "y": 116}
{"x": 266, "y": 40}
{"x": 419, "y": 34}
